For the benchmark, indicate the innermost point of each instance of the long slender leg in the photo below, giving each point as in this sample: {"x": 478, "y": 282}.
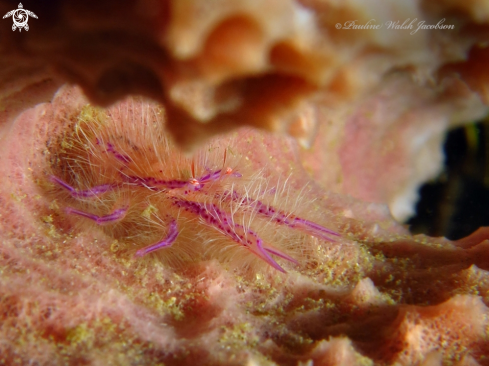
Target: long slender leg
{"x": 256, "y": 246}
{"x": 278, "y": 253}
{"x": 283, "y": 218}
{"x": 168, "y": 241}
{"x": 153, "y": 183}
{"x": 100, "y": 220}
{"x": 87, "y": 193}
{"x": 223, "y": 222}
{"x": 124, "y": 158}
{"x": 313, "y": 228}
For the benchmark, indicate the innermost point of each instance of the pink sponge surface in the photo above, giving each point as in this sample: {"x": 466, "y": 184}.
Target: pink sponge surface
{"x": 73, "y": 293}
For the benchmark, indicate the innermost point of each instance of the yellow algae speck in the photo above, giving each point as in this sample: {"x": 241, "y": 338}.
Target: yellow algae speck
{"x": 81, "y": 334}
{"x": 149, "y": 211}
{"x": 114, "y": 247}
{"x": 54, "y": 205}
{"x": 47, "y": 218}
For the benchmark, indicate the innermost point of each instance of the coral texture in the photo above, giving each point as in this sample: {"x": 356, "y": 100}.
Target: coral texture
{"x": 217, "y": 65}
{"x": 75, "y": 294}
{"x": 280, "y": 65}
{"x": 372, "y": 105}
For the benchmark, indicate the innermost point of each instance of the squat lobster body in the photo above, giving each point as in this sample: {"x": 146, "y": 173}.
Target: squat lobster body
{"x": 125, "y": 175}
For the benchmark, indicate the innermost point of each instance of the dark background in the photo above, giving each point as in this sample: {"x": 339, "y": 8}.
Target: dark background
{"x": 457, "y": 202}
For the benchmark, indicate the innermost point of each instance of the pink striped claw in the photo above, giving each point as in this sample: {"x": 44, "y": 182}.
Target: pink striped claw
{"x": 87, "y": 193}
{"x": 166, "y": 242}
{"x": 115, "y": 216}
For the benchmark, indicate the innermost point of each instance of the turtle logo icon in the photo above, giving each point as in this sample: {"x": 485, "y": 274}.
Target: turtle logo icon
{"x": 20, "y": 17}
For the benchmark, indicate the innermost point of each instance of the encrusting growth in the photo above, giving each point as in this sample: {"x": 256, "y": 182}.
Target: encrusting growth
{"x": 132, "y": 182}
